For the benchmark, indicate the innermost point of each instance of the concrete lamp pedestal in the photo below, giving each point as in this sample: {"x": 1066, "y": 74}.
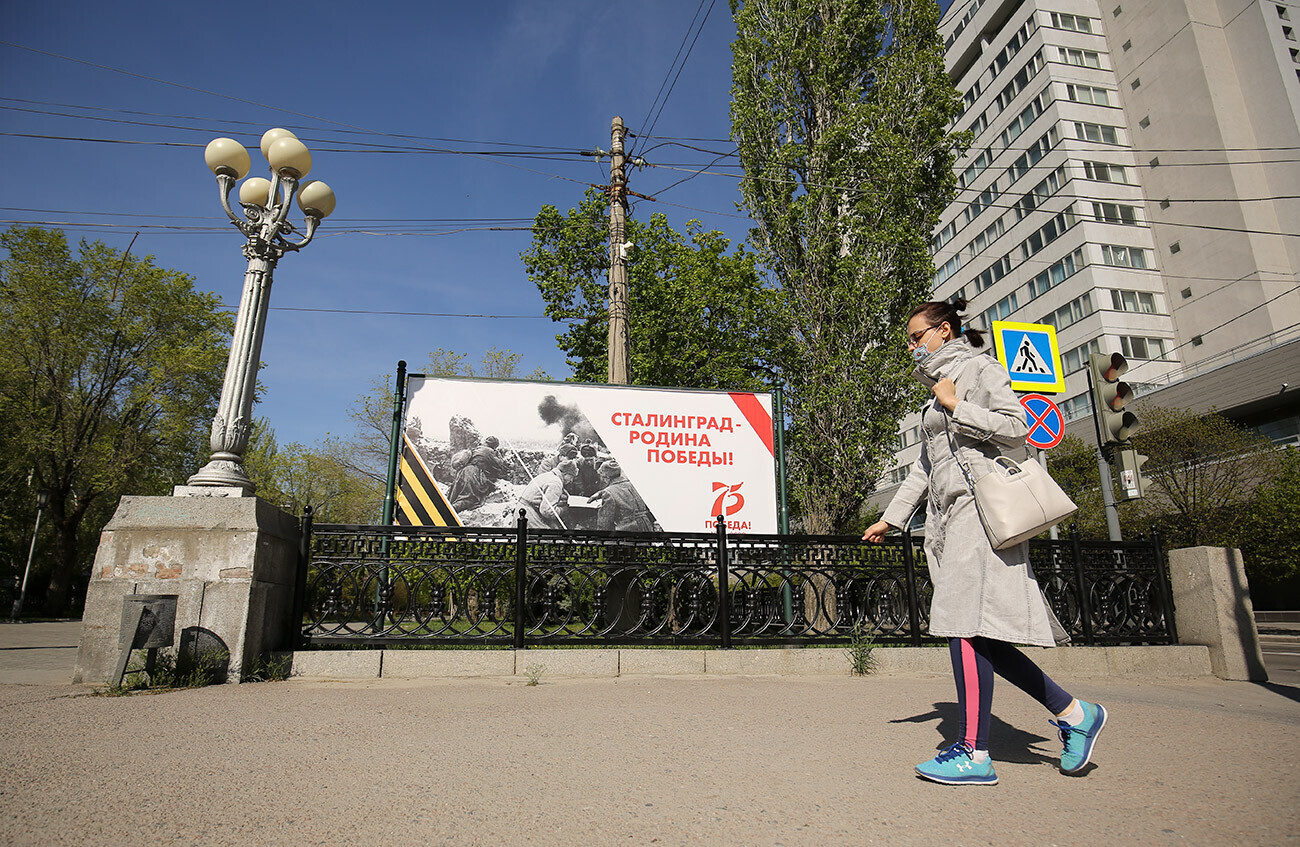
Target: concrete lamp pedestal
{"x": 230, "y": 559}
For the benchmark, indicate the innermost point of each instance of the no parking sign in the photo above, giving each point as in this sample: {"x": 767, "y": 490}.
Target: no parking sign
{"x": 1045, "y": 421}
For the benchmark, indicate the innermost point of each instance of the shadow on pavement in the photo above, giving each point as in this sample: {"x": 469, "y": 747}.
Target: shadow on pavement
{"x": 1290, "y": 692}
{"x": 1009, "y": 743}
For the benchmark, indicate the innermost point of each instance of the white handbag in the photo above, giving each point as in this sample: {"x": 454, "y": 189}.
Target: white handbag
{"x": 1018, "y": 501}
{"x": 1015, "y": 501}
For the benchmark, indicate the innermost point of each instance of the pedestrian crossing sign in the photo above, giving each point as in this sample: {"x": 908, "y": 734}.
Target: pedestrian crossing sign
{"x": 1030, "y": 355}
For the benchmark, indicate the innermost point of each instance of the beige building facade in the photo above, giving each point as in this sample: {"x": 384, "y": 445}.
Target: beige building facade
{"x": 1133, "y": 180}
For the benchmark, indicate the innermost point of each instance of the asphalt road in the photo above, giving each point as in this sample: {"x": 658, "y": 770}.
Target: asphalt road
{"x": 1281, "y": 648}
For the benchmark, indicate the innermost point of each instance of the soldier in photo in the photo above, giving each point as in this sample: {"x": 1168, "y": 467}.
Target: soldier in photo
{"x": 477, "y": 477}
{"x": 621, "y": 507}
{"x": 545, "y": 501}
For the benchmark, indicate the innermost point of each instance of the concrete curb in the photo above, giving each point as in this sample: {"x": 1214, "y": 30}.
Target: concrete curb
{"x": 1144, "y": 663}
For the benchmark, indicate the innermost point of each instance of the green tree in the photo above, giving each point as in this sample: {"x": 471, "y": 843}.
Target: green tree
{"x": 1204, "y": 470}
{"x": 322, "y": 476}
{"x": 110, "y": 368}
{"x": 1269, "y": 544}
{"x": 840, "y": 110}
{"x": 698, "y": 316}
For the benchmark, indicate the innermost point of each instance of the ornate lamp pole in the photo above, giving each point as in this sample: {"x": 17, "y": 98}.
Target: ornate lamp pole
{"x": 265, "y": 225}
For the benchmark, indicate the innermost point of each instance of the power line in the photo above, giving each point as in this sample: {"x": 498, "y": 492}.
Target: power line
{"x": 673, "y": 64}
{"x": 1225, "y": 323}
{"x": 682, "y": 66}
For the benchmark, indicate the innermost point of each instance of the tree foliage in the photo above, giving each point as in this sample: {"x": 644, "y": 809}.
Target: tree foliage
{"x": 110, "y": 368}
{"x": 1269, "y": 543}
{"x": 699, "y": 317}
{"x": 1204, "y": 471}
{"x": 840, "y": 111}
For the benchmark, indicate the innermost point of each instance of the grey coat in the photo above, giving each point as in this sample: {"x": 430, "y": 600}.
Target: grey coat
{"x": 978, "y": 591}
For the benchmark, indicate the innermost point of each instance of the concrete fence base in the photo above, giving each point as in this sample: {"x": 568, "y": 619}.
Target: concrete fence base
{"x": 1175, "y": 662}
{"x": 1212, "y": 608}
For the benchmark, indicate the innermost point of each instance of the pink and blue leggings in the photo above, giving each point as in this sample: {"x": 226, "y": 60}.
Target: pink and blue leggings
{"x": 974, "y": 661}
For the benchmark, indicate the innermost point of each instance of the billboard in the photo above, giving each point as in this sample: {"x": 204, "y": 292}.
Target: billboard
{"x": 578, "y": 456}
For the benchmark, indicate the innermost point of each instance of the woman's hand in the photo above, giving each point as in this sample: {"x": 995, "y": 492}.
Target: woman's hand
{"x": 945, "y": 391}
{"x": 876, "y": 532}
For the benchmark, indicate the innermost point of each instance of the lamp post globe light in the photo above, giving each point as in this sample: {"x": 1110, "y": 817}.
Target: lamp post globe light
{"x": 266, "y": 229}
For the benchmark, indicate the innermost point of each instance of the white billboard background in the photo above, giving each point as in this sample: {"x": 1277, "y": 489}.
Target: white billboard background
{"x": 686, "y": 452}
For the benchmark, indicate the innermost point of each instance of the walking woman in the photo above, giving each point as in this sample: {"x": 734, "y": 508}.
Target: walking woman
{"x": 985, "y": 600}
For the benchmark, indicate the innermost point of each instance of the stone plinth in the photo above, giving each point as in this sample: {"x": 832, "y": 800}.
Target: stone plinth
{"x": 1212, "y": 607}
{"x": 231, "y": 560}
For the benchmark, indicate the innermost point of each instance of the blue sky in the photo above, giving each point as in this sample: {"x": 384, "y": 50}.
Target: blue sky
{"x": 347, "y": 78}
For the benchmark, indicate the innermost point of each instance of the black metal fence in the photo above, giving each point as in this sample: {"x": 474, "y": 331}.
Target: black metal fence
{"x": 522, "y": 587}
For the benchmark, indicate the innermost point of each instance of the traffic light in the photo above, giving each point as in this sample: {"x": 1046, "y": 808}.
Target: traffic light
{"x": 1109, "y": 397}
{"x": 1131, "y": 480}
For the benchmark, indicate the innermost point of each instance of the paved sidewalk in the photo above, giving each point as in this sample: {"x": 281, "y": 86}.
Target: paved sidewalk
{"x": 635, "y": 760}
{"x": 38, "y": 653}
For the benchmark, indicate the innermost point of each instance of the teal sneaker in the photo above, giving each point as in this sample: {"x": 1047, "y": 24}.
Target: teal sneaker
{"x": 1077, "y": 741}
{"x": 955, "y": 766}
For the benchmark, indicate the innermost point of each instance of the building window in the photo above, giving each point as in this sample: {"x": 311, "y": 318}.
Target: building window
{"x": 1186, "y": 293}
{"x": 1071, "y": 313}
{"x": 987, "y": 237}
{"x": 1099, "y": 133}
{"x": 1116, "y": 13}
{"x": 1128, "y": 45}
{"x": 1143, "y": 349}
{"x": 1077, "y": 359}
{"x": 1020, "y": 80}
{"x": 1283, "y": 13}
{"x": 1145, "y": 122}
{"x": 1115, "y": 213}
{"x": 949, "y": 268}
{"x": 1024, "y": 119}
{"x": 1000, "y": 310}
{"x": 1133, "y": 301}
{"x": 1197, "y": 341}
{"x": 1118, "y": 256}
{"x": 1039, "y": 193}
{"x": 1031, "y": 156}
{"x": 1076, "y": 407}
{"x": 1136, "y": 83}
{"x": 981, "y": 202}
{"x": 1106, "y": 172}
{"x": 1074, "y": 23}
{"x": 1088, "y": 94}
{"x": 992, "y": 274}
{"x": 976, "y": 167}
{"x": 1155, "y": 163}
{"x": 1288, "y": 33}
{"x": 1055, "y": 274}
{"x": 1046, "y": 234}
{"x": 1013, "y": 46}
{"x": 1176, "y": 247}
{"x": 1164, "y": 204}
{"x": 945, "y": 235}
{"x": 1081, "y": 58}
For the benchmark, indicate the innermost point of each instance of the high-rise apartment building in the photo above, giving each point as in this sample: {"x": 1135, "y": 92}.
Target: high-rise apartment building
{"x": 1133, "y": 180}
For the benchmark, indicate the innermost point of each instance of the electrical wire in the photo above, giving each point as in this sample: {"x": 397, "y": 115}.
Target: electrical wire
{"x": 681, "y": 67}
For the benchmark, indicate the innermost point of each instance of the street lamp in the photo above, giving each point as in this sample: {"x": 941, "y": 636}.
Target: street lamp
{"x": 265, "y": 225}
{"x": 42, "y": 500}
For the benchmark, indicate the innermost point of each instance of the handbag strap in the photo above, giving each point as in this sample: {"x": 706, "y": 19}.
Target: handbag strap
{"x": 952, "y": 445}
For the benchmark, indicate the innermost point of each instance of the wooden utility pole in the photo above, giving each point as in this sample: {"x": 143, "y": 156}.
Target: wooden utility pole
{"x": 618, "y": 346}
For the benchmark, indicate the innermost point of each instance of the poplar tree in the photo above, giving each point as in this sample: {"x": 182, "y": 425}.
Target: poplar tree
{"x": 841, "y": 110}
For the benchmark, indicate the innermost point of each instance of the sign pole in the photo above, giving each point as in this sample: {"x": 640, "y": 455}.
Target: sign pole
{"x": 394, "y": 440}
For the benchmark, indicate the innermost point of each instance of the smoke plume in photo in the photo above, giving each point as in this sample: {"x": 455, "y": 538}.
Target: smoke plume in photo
{"x": 570, "y": 419}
